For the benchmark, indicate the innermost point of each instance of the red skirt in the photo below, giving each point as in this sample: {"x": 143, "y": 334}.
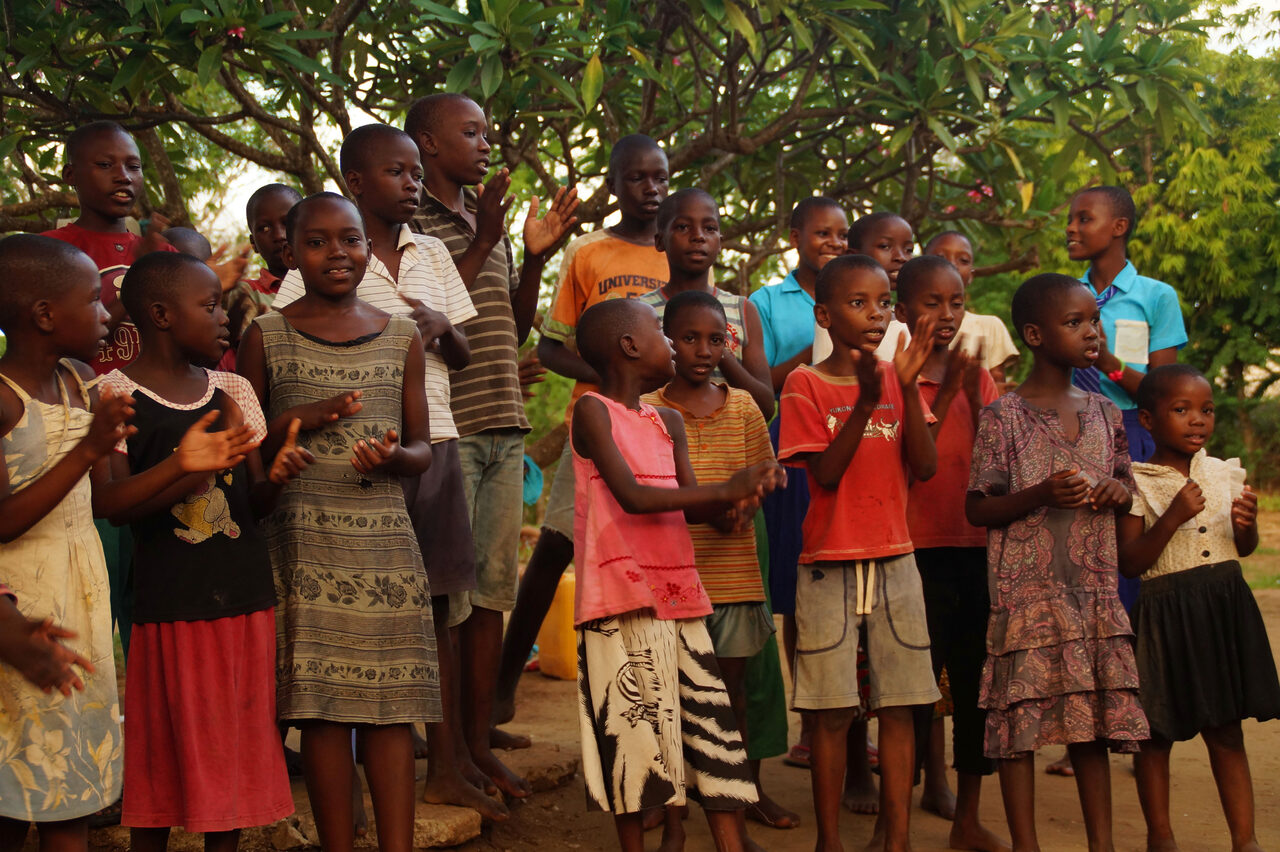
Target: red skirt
{"x": 201, "y": 747}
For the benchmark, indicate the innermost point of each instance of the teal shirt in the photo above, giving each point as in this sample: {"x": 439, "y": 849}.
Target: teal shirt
{"x": 1146, "y": 300}
{"x": 786, "y": 319}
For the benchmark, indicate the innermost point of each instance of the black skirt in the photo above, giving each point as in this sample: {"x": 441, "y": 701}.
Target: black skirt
{"x": 1203, "y": 655}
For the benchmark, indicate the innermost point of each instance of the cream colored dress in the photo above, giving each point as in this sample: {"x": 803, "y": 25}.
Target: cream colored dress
{"x": 59, "y": 757}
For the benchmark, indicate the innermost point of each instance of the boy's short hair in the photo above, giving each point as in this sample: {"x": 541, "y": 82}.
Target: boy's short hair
{"x": 291, "y": 221}
{"x": 1119, "y": 202}
{"x": 859, "y": 229}
{"x": 33, "y": 268}
{"x": 600, "y": 327}
{"x": 251, "y": 206}
{"x": 918, "y": 271}
{"x": 806, "y": 207}
{"x": 1156, "y": 384}
{"x": 84, "y": 133}
{"x": 628, "y": 146}
{"x": 1035, "y": 295}
{"x": 837, "y": 269}
{"x": 154, "y": 277}
{"x": 359, "y": 143}
{"x": 189, "y": 241}
{"x": 424, "y": 113}
{"x": 667, "y": 209}
{"x": 687, "y": 300}
{"x": 937, "y": 238}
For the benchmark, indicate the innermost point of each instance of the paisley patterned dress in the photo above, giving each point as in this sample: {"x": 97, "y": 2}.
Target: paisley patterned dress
{"x": 1060, "y": 665}
{"x": 354, "y": 637}
{"x": 59, "y": 757}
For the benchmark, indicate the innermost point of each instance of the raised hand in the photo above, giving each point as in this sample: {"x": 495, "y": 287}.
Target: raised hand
{"x": 230, "y": 270}
{"x": 1187, "y": 503}
{"x": 541, "y": 234}
{"x": 290, "y": 459}
{"x": 909, "y": 359}
{"x": 531, "y": 372}
{"x": 972, "y": 382}
{"x": 492, "y": 205}
{"x": 1065, "y": 489}
{"x": 748, "y": 485}
{"x": 368, "y": 456}
{"x": 867, "y": 368}
{"x": 1109, "y": 493}
{"x": 958, "y": 363}
{"x": 326, "y": 411}
{"x": 110, "y": 423}
{"x": 201, "y": 450}
{"x": 1244, "y": 510}
{"x": 431, "y": 323}
{"x": 153, "y": 235}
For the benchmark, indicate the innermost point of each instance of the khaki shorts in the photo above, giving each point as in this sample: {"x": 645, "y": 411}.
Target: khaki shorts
{"x": 740, "y": 629}
{"x": 838, "y": 601}
{"x": 559, "y": 513}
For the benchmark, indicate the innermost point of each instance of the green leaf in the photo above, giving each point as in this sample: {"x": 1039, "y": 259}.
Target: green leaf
{"x": 444, "y": 13}
{"x": 128, "y": 70}
{"x": 210, "y": 62}
{"x": 900, "y": 137}
{"x": 940, "y": 130}
{"x": 1065, "y": 158}
{"x": 460, "y": 76}
{"x": 1150, "y": 97}
{"x": 491, "y": 75}
{"x": 714, "y": 8}
{"x": 743, "y": 25}
{"x": 592, "y": 82}
{"x": 275, "y": 19}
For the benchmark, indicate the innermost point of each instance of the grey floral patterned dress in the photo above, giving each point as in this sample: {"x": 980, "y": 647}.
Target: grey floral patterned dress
{"x": 354, "y": 638}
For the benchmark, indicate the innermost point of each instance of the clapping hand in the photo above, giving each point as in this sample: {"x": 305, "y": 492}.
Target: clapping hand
{"x": 540, "y": 235}
{"x": 370, "y": 455}
{"x": 1244, "y": 510}
{"x": 291, "y": 459}
{"x": 201, "y": 450}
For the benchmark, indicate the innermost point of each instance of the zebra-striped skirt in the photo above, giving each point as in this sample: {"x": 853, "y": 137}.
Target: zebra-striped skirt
{"x": 655, "y": 718}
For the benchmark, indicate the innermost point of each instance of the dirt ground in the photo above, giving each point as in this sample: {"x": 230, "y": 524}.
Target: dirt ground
{"x": 559, "y": 819}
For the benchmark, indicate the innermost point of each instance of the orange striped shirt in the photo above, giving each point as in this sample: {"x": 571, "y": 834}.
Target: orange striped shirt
{"x": 720, "y": 445}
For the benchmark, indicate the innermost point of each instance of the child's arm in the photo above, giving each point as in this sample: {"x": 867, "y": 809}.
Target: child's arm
{"x": 751, "y": 374}
{"x": 1244, "y": 521}
{"x": 122, "y": 497}
{"x": 593, "y": 439}
{"x": 1139, "y": 548}
{"x": 22, "y": 510}
{"x": 410, "y": 455}
{"x": 563, "y": 361}
{"x": 1064, "y": 489}
{"x": 828, "y": 466}
{"x": 251, "y": 363}
{"x": 922, "y": 454}
{"x": 289, "y": 462}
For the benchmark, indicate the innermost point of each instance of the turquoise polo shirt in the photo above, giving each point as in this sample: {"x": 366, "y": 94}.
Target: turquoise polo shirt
{"x": 786, "y": 318}
{"x": 1146, "y": 300}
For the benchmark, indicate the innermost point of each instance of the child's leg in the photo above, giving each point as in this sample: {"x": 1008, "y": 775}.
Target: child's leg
{"x": 630, "y": 831}
{"x": 1151, "y": 766}
{"x": 861, "y": 795}
{"x": 726, "y": 830}
{"x": 13, "y": 834}
{"x": 1235, "y": 785}
{"x": 733, "y": 670}
{"x": 897, "y": 764}
{"x": 445, "y": 781}
{"x": 1018, "y": 789}
{"x": 827, "y": 763}
{"x": 148, "y": 839}
{"x": 1093, "y": 783}
{"x": 481, "y": 648}
{"x": 70, "y": 835}
{"x": 388, "y": 766}
{"x": 673, "y": 835}
{"x": 937, "y": 797}
{"x": 221, "y": 841}
{"x": 327, "y": 767}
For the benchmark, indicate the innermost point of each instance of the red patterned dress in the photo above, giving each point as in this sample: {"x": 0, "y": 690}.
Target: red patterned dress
{"x": 1060, "y": 665}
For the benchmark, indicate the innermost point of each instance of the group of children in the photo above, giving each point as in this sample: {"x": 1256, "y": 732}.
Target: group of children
{"x": 322, "y": 532}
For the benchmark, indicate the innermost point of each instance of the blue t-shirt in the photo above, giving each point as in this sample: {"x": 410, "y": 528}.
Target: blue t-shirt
{"x": 786, "y": 319}
{"x": 1146, "y": 300}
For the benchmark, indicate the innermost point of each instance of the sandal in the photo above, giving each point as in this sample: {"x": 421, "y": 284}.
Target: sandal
{"x": 797, "y": 756}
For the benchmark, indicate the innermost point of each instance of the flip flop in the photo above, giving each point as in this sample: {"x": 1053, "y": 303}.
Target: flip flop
{"x": 797, "y": 756}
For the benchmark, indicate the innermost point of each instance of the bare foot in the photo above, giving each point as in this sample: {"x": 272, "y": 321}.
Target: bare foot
{"x": 938, "y": 799}
{"x": 507, "y": 741}
{"x": 1171, "y": 845}
{"x": 750, "y": 845}
{"x": 876, "y": 843}
{"x": 861, "y": 798}
{"x": 473, "y": 776}
{"x": 1251, "y": 846}
{"x": 508, "y": 782}
{"x": 419, "y": 744}
{"x": 976, "y": 837}
{"x": 454, "y": 790}
{"x": 770, "y": 813}
{"x": 1062, "y": 766}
